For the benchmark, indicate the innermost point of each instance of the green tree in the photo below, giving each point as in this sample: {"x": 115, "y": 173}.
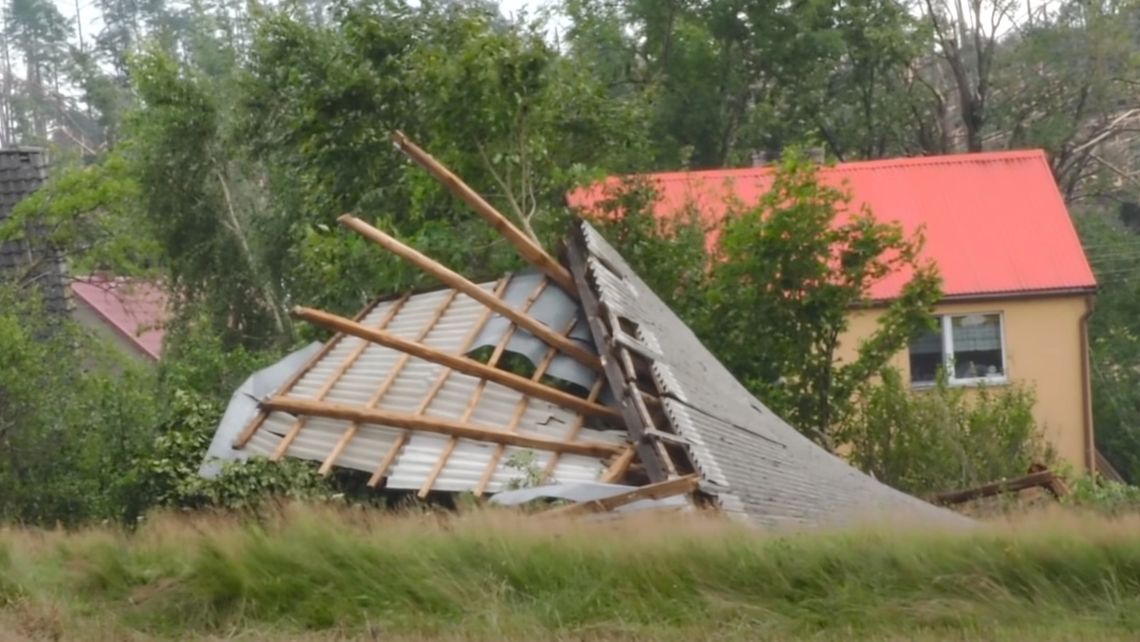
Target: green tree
{"x": 774, "y": 297}
{"x": 785, "y": 277}
{"x": 1066, "y": 83}
{"x": 73, "y": 421}
{"x": 1114, "y": 339}
{"x": 189, "y": 187}
{"x": 39, "y": 32}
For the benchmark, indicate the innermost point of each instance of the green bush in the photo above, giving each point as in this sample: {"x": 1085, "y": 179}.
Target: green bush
{"x": 943, "y": 438}
{"x": 1104, "y": 496}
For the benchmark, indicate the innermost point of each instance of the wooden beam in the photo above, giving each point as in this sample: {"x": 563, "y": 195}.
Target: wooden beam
{"x": 353, "y": 428}
{"x": 526, "y": 246}
{"x": 457, "y": 281}
{"x": 262, "y": 415}
{"x": 603, "y": 340}
{"x": 457, "y": 363}
{"x": 327, "y": 386}
{"x": 1044, "y": 479}
{"x": 477, "y": 394}
{"x": 660, "y": 490}
{"x": 618, "y": 469}
{"x": 463, "y": 430}
{"x": 402, "y": 439}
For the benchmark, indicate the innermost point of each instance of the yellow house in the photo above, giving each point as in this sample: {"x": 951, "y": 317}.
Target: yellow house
{"x": 1017, "y": 285}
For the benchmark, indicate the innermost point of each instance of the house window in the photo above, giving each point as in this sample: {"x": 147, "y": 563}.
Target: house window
{"x": 969, "y": 347}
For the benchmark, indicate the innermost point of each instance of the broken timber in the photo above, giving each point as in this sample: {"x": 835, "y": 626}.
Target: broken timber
{"x": 527, "y": 247}
{"x": 396, "y": 393}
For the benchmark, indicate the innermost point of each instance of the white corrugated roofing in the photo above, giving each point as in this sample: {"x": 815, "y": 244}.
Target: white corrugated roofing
{"x": 351, "y": 371}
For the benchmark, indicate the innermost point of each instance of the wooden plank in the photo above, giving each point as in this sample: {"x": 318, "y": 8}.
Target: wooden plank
{"x": 463, "y": 430}
{"x": 1043, "y": 478}
{"x": 327, "y": 386}
{"x": 646, "y": 450}
{"x": 660, "y": 490}
{"x": 457, "y": 281}
{"x": 397, "y": 368}
{"x": 402, "y": 439}
{"x": 618, "y": 469}
{"x": 526, "y": 246}
{"x": 516, "y": 417}
{"x": 258, "y": 420}
{"x": 476, "y": 395}
{"x": 575, "y": 428}
{"x": 458, "y": 363}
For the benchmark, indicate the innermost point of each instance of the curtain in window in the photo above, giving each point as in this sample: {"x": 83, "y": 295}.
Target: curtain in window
{"x": 976, "y": 333}
{"x": 928, "y": 343}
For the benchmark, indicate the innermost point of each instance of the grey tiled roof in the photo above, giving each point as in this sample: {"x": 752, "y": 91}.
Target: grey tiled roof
{"x": 23, "y": 171}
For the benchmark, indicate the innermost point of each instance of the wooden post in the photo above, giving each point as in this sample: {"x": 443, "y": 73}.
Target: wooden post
{"x": 526, "y": 246}
{"x": 460, "y": 364}
{"x": 457, "y": 281}
{"x": 464, "y": 430}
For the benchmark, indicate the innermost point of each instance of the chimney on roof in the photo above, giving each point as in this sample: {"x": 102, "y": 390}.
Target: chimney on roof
{"x": 760, "y": 158}
{"x": 816, "y": 155}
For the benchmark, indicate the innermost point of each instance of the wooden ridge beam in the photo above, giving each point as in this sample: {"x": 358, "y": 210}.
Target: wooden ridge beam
{"x": 526, "y": 246}
{"x": 461, "y": 429}
{"x": 457, "y": 281}
{"x": 457, "y": 363}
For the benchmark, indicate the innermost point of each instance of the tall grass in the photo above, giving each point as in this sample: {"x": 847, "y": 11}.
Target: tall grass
{"x": 495, "y": 574}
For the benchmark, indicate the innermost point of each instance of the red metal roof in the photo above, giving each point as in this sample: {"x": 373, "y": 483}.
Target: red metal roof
{"x": 135, "y": 309}
{"x": 995, "y": 223}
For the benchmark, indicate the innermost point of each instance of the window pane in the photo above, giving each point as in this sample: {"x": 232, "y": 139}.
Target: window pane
{"x": 977, "y": 346}
{"x": 925, "y": 357}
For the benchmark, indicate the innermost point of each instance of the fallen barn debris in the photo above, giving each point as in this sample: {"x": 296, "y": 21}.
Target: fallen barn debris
{"x": 620, "y": 392}
{"x": 1038, "y": 477}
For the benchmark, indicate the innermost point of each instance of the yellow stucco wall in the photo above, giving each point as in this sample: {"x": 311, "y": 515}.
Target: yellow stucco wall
{"x": 1043, "y": 350}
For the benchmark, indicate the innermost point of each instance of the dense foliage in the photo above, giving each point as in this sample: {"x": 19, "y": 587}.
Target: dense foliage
{"x": 212, "y": 146}
{"x": 768, "y": 298}
{"x": 945, "y": 437}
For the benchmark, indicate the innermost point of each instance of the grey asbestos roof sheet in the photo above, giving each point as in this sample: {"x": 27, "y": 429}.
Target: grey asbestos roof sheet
{"x": 757, "y": 465}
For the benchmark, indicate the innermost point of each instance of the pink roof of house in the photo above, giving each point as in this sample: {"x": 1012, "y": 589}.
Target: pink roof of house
{"x": 135, "y": 309}
{"x": 995, "y": 223}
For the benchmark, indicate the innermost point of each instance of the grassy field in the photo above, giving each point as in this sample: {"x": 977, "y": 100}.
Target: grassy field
{"x": 322, "y": 574}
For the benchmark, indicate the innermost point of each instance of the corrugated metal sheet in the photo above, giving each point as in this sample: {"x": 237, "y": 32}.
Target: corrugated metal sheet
{"x": 758, "y": 466}
{"x": 995, "y": 223}
{"x": 356, "y": 384}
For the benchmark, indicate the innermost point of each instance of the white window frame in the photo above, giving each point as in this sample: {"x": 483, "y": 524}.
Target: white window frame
{"x": 947, "y": 335}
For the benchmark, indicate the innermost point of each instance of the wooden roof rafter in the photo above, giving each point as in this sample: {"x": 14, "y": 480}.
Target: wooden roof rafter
{"x": 369, "y": 405}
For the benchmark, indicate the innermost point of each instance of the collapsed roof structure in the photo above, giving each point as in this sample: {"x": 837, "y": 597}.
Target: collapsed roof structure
{"x": 615, "y": 389}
